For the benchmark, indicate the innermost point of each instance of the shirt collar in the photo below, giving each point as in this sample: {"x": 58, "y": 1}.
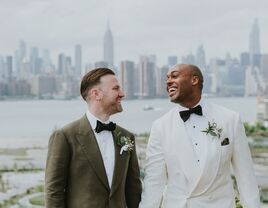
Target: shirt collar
{"x": 93, "y": 119}
{"x": 201, "y": 103}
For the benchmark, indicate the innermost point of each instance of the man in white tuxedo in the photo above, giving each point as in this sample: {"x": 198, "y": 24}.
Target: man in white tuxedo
{"x": 192, "y": 148}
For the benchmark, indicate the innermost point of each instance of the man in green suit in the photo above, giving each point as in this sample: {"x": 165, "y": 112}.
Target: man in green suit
{"x": 92, "y": 162}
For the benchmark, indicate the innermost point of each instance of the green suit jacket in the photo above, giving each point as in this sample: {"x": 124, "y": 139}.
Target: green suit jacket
{"x": 75, "y": 173}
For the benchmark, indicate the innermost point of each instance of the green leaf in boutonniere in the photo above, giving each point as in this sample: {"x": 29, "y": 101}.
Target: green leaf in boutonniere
{"x": 125, "y": 143}
{"x": 213, "y": 130}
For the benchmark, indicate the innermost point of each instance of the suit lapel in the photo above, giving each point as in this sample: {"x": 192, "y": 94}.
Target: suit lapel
{"x": 120, "y": 161}
{"x": 210, "y": 166}
{"x": 213, "y": 156}
{"x": 87, "y": 140}
{"x": 184, "y": 150}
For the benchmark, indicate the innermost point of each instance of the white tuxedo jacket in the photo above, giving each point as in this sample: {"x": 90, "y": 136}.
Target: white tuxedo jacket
{"x": 171, "y": 164}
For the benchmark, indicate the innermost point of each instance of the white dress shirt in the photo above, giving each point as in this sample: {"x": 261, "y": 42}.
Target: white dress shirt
{"x": 106, "y": 146}
{"x": 194, "y": 127}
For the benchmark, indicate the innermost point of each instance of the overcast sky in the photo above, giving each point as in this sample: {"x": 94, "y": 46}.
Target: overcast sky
{"x": 160, "y": 27}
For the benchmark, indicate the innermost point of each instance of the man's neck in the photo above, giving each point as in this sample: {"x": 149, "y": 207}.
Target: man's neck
{"x": 191, "y": 103}
{"x": 99, "y": 113}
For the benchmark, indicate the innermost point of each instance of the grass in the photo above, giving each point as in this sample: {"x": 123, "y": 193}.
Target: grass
{"x": 38, "y": 200}
{"x": 13, "y": 152}
{"x": 14, "y": 200}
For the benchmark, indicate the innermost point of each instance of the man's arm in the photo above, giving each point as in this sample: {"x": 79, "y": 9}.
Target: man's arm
{"x": 56, "y": 170}
{"x": 243, "y": 168}
{"x": 133, "y": 183}
{"x": 155, "y": 171}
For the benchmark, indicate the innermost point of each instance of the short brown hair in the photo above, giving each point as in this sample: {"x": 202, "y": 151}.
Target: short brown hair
{"x": 92, "y": 78}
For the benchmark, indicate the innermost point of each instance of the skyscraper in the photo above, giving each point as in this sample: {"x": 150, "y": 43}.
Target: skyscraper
{"x": 147, "y": 81}
{"x": 20, "y": 55}
{"x": 108, "y": 46}
{"x": 200, "y": 58}
{"x": 244, "y": 60}
{"x": 254, "y": 44}
{"x": 9, "y": 66}
{"x": 161, "y": 77}
{"x": 68, "y": 65}
{"x": 2, "y": 67}
{"x": 189, "y": 59}
{"x": 78, "y": 60}
{"x": 22, "y": 50}
{"x": 46, "y": 62}
{"x": 128, "y": 78}
{"x": 61, "y": 63}
{"x": 264, "y": 68}
{"x": 172, "y": 60}
{"x": 34, "y": 66}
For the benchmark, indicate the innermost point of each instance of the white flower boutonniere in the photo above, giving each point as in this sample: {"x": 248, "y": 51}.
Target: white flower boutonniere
{"x": 213, "y": 130}
{"x": 125, "y": 143}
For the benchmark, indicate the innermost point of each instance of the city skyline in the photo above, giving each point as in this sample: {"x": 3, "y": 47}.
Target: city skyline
{"x": 148, "y": 27}
{"x": 35, "y": 75}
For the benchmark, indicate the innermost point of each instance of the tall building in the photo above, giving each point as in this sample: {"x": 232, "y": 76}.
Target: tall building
{"x": 78, "y": 60}
{"x": 189, "y": 59}
{"x": 161, "y": 77}
{"x": 128, "y": 77}
{"x": 147, "y": 81}
{"x": 2, "y": 68}
{"x": 46, "y": 61}
{"x": 108, "y": 46}
{"x": 254, "y": 44}
{"x": 35, "y": 67}
{"x": 61, "y": 63}
{"x": 22, "y": 50}
{"x": 68, "y": 65}
{"x": 43, "y": 85}
{"x": 244, "y": 60}
{"x": 200, "y": 58}
{"x": 264, "y": 67}
{"x": 9, "y": 66}
{"x": 152, "y": 58}
{"x": 172, "y": 60}
{"x": 20, "y": 55}
{"x": 233, "y": 77}
{"x": 218, "y": 75}
{"x": 16, "y": 62}
{"x": 251, "y": 84}
{"x": 24, "y": 69}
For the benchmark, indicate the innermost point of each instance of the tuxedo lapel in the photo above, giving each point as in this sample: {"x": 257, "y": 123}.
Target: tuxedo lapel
{"x": 88, "y": 142}
{"x": 120, "y": 161}
{"x": 212, "y": 159}
{"x": 184, "y": 150}
{"x": 210, "y": 167}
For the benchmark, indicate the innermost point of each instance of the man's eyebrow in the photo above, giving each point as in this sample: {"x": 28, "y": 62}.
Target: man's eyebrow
{"x": 116, "y": 86}
{"x": 173, "y": 72}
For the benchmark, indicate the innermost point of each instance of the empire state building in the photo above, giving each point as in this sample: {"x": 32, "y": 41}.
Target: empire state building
{"x": 254, "y": 44}
{"x": 108, "y": 47}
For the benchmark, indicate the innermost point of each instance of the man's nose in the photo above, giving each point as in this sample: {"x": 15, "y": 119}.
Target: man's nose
{"x": 169, "y": 81}
{"x": 121, "y": 93}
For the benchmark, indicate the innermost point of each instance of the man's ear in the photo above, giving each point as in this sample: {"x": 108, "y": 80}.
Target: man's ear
{"x": 95, "y": 94}
{"x": 195, "y": 80}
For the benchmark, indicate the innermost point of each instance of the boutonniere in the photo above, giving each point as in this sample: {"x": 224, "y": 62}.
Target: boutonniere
{"x": 125, "y": 143}
{"x": 213, "y": 130}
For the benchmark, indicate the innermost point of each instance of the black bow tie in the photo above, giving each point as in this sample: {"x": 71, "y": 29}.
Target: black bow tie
{"x": 186, "y": 114}
{"x": 102, "y": 126}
